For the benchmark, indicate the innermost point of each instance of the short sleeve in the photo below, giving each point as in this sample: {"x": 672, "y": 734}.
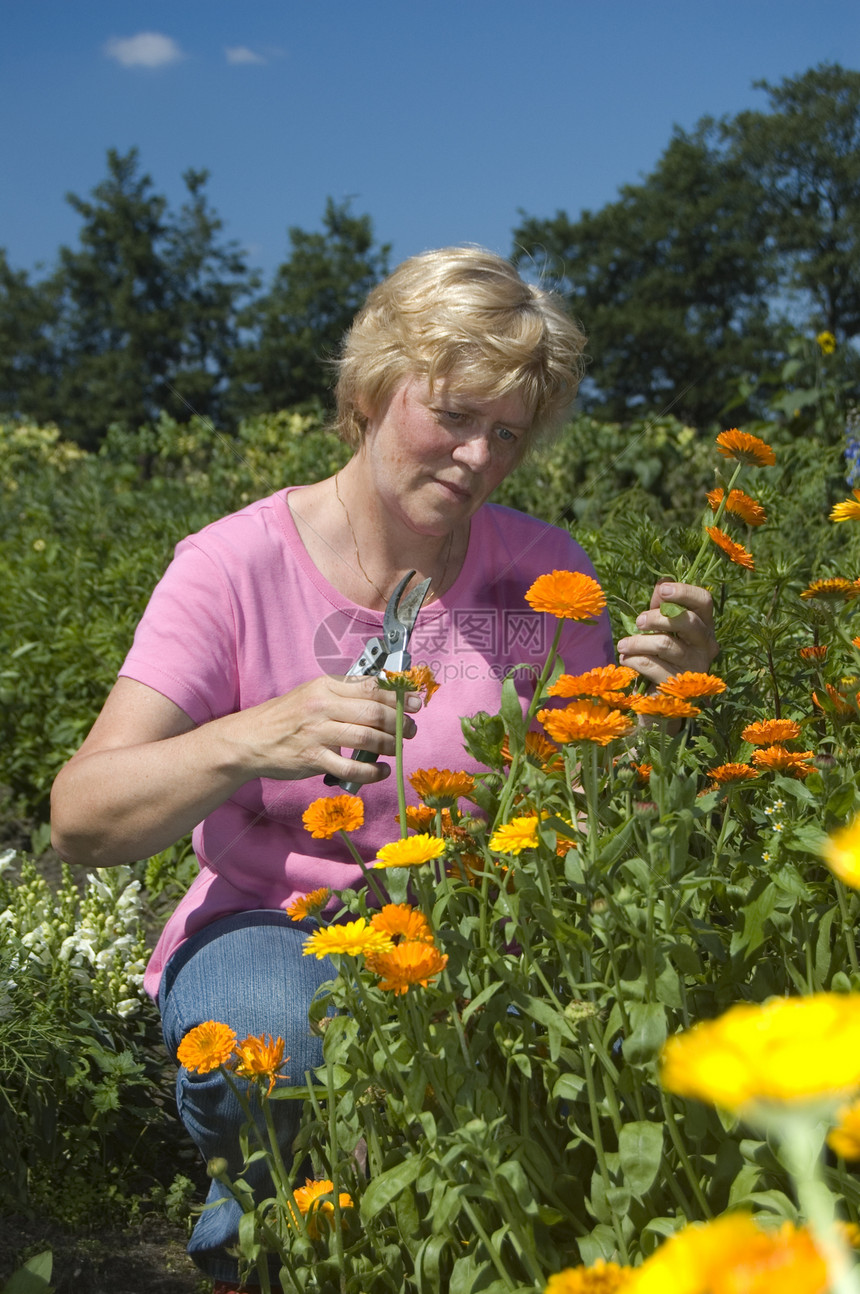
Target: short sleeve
{"x": 185, "y": 644}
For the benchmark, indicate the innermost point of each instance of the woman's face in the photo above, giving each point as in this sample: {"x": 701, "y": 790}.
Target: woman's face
{"x": 435, "y": 458}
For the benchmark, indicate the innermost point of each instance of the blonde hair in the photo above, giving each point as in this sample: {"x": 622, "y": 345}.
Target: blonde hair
{"x": 465, "y": 315}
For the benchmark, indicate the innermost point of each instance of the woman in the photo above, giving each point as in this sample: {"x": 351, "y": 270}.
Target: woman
{"x": 231, "y": 706}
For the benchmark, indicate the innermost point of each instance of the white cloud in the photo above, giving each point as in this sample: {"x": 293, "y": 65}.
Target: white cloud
{"x": 241, "y": 54}
{"x": 146, "y": 49}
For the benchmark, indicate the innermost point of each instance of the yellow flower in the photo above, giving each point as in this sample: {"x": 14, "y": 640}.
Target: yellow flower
{"x": 689, "y": 684}
{"x": 735, "y": 552}
{"x": 844, "y": 1139}
{"x": 206, "y": 1047}
{"x": 410, "y": 852}
{"x": 407, "y": 965}
{"x": 604, "y": 682}
{"x": 569, "y": 595}
{"x": 601, "y": 1278}
{"x": 315, "y": 1208}
{"x": 842, "y": 854}
{"x": 351, "y": 938}
{"x": 440, "y": 788}
{"x": 785, "y": 1050}
{"x": 261, "y": 1058}
{"x": 586, "y": 721}
{"x": 515, "y": 836}
{"x": 847, "y": 511}
{"x": 402, "y": 921}
{"x": 733, "y": 1255}
{"x": 309, "y": 905}
{"x": 794, "y": 763}
{"x": 740, "y": 504}
{"x": 664, "y": 707}
{"x": 333, "y": 813}
{"x": 744, "y": 448}
{"x": 827, "y": 342}
{"x": 766, "y": 732}
{"x": 835, "y": 587}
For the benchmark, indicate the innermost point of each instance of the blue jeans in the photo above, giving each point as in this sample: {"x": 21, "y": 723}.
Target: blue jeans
{"x": 246, "y": 971}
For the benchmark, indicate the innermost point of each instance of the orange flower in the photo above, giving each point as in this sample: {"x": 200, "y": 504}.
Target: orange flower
{"x": 410, "y": 852}
{"x": 401, "y": 920}
{"x": 847, "y": 511}
{"x": 689, "y": 684}
{"x": 440, "y": 788}
{"x": 333, "y": 813}
{"x": 206, "y": 1047}
{"x": 664, "y": 707}
{"x": 539, "y": 751}
{"x": 842, "y": 702}
{"x": 261, "y": 1058}
{"x": 765, "y": 732}
{"x": 417, "y": 679}
{"x": 406, "y": 965}
{"x": 724, "y": 773}
{"x": 735, "y": 552}
{"x": 740, "y": 504}
{"x": 570, "y": 595}
{"x": 845, "y": 1138}
{"x": 310, "y": 1202}
{"x": 421, "y": 818}
{"x": 604, "y": 682}
{"x": 792, "y": 762}
{"x": 819, "y": 652}
{"x": 837, "y": 587}
{"x": 643, "y": 771}
{"x": 586, "y": 721}
{"x": 744, "y": 448}
{"x": 600, "y": 1278}
{"x": 309, "y": 905}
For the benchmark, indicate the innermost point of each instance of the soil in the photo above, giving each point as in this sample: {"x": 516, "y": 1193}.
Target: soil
{"x": 149, "y": 1258}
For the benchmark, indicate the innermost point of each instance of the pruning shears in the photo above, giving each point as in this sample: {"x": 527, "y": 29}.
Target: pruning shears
{"x": 390, "y": 652}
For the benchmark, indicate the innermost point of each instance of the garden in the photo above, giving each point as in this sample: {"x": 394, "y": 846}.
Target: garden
{"x": 595, "y": 1023}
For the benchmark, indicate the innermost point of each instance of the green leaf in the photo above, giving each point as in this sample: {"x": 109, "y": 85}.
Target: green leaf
{"x": 388, "y": 1185}
{"x": 640, "y": 1146}
{"x": 647, "y": 1034}
{"x": 512, "y": 713}
{"x": 34, "y": 1277}
{"x": 671, "y": 610}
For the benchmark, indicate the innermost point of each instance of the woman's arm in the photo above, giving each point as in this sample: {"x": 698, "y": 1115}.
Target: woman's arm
{"x": 146, "y": 775}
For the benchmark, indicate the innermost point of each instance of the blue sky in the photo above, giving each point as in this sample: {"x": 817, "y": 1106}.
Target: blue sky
{"x": 440, "y": 119}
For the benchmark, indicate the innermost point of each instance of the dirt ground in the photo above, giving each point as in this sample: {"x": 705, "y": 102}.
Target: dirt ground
{"x": 149, "y": 1258}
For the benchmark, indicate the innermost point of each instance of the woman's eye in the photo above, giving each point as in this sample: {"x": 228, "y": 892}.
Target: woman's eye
{"x": 506, "y": 434}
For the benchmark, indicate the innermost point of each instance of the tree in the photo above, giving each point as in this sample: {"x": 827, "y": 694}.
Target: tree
{"x": 29, "y": 368}
{"x": 667, "y": 280}
{"x": 299, "y": 323}
{"x": 804, "y": 156}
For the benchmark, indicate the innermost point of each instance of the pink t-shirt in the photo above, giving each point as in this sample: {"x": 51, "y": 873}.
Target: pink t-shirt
{"x": 243, "y": 615}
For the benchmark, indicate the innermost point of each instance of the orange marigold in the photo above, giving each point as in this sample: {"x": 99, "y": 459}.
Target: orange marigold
{"x": 315, "y": 1208}
{"x": 767, "y": 732}
{"x": 586, "y": 721}
{"x": 795, "y": 763}
{"x": 206, "y": 1046}
{"x": 819, "y": 651}
{"x": 601, "y": 1278}
{"x": 740, "y": 504}
{"x": 664, "y": 707}
{"x": 835, "y": 587}
{"x": 745, "y": 448}
{"x": 421, "y": 818}
{"x": 402, "y": 921}
{"x": 604, "y": 682}
{"x": 440, "y": 788}
{"x": 849, "y": 510}
{"x": 419, "y": 678}
{"x": 844, "y": 1139}
{"x": 724, "y": 773}
{"x": 407, "y": 965}
{"x": 539, "y": 751}
{"x": 308, "y": 905}
{"x": 260, "y": 1058}
{"x": 570, "y": 595}
{"x": 689, "y": 684}
{"x": 842, "y": 702}
{"x": 333, "y": 813}
{"x": 735, "y": 552}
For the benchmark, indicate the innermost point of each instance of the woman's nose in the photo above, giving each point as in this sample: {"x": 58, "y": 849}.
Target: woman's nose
{"x": 474, "y": 451}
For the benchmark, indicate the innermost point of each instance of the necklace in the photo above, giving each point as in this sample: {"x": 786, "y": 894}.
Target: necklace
{"x": 431, "y": 594}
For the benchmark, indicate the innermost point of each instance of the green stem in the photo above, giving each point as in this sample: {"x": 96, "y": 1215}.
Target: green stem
{"x": 713, "y": 519}
{"x": 681, "y": 1152}
{"x": 518, "y": 758}
{"x": 398, "y": 763}
{"x": 365, "y": 870}
{"x": 847, "y": 928}
{"x": 800, "y": 1139}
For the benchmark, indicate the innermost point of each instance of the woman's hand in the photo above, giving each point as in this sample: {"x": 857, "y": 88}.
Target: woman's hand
{"x": 665, "y": 646}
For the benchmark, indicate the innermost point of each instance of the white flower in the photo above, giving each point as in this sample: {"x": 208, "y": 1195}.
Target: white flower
{"x": 7, "y": 858}
{"x": 128, "y": 1006}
